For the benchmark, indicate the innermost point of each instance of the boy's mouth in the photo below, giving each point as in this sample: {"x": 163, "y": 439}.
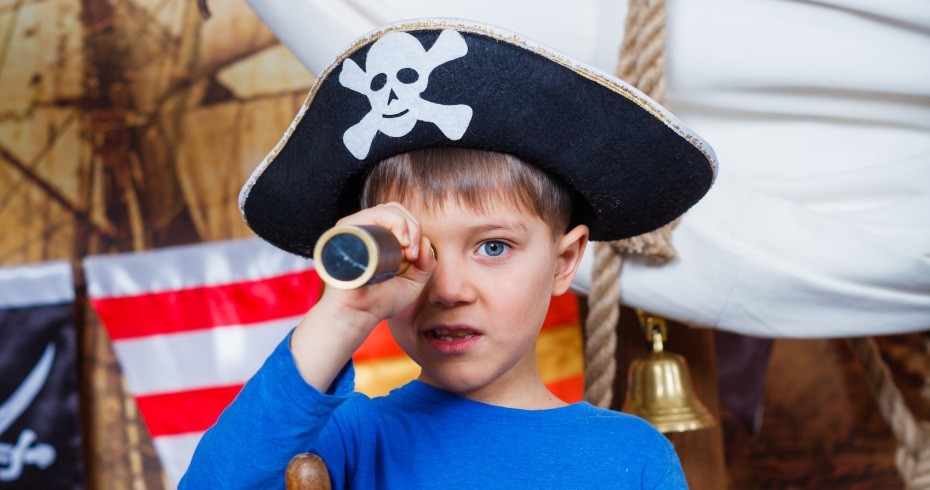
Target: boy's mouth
{"x": 452, "y": 340}
{"x": 451, "y": 334}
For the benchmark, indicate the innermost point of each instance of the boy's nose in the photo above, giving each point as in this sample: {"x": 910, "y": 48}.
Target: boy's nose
{"x": 450, "y": 284}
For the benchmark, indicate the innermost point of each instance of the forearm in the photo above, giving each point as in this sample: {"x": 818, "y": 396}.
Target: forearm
{"x": 325, "y": 340}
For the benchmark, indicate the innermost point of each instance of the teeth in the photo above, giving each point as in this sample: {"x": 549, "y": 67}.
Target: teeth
{"x": 447, "y": 335}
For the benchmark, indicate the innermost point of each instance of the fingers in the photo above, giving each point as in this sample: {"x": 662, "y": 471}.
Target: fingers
{"x": 396, "y": 218}
{"x": 425, "y": 264}
{"x": 385, "y": 299}
{"x": 412, "y": 247}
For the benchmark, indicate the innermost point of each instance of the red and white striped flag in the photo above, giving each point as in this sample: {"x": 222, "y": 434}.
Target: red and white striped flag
{"x": 189, "y": 325}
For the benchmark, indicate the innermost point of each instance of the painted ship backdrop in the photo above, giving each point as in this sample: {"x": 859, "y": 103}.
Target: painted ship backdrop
{"x": 134, "y": 301}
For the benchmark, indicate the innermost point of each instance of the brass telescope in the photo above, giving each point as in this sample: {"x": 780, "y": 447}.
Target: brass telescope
{"x": 350, "y": 256}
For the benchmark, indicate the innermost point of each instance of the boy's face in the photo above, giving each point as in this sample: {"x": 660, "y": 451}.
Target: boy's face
{"x": 473, "y": 329}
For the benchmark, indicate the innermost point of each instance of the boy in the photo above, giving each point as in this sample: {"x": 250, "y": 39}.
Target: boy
{"x": 504, "y": 158}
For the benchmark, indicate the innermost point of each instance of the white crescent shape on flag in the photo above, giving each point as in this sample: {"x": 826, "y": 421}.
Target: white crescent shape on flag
{"x": 26, "y": 393}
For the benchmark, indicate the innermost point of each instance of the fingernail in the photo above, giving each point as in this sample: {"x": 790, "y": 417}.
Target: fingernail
{"x": 416, "y": 252}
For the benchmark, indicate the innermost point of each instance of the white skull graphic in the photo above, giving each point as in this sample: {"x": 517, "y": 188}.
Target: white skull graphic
{"x": 398, "y": 70}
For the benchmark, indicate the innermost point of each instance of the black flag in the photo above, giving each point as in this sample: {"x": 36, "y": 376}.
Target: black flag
{"x": 40, "y": 443}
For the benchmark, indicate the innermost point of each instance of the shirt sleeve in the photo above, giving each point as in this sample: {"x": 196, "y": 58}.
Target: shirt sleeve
{"x": 668, "y": 475}
{"x": 276, "y": 416}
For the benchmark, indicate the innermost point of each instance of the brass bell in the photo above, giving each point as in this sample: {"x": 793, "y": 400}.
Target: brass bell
{"x": 660, "y": 388}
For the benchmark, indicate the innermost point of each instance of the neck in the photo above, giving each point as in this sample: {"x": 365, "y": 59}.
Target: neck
{"x": 522, "y": 387}
{"x": 535, "y": 397}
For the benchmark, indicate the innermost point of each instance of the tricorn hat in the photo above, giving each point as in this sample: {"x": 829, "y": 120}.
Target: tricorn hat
{"x": 446, "y": 82}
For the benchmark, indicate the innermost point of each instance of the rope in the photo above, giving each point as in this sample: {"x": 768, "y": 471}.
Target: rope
{"x": 601, "y": 339}
{"x": 913, "y": 455}
{"x": 642, "y": 54}
{"x": 642, "y": 64}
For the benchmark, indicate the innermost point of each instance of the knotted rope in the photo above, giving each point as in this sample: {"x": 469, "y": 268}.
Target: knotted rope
{"x": 642, "y": 64}
{"x": 913, "y": 455}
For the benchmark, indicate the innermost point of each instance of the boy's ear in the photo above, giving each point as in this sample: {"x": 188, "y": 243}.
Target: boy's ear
{"x": 570, "y": 248}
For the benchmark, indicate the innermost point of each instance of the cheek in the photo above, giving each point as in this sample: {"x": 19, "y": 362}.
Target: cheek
{"x": 401, "y": 321}
{"x": 401, "y": 325}
{"x": 402, "y": 333}
{"x": 523, "y": 278}
{"x": 524, "y": 300}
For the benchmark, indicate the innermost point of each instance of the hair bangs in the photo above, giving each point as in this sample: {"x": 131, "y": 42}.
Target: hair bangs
{"x": 472, "y": 178}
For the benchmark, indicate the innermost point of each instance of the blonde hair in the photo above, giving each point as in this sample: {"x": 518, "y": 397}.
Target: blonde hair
{"x": 472, "y": 177}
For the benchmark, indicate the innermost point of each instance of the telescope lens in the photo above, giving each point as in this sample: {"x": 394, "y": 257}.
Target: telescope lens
{"x": 345, "y": 257}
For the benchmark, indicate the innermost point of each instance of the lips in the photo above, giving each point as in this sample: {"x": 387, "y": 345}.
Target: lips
{"x": 452, "y": 340}
{"x": 451, "y": 335}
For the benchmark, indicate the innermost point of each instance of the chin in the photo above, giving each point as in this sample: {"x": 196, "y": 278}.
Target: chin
{"x": 458, "y": 382}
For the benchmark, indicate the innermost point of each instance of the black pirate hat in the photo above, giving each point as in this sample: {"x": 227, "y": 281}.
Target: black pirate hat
{"x": 444, "y": 82}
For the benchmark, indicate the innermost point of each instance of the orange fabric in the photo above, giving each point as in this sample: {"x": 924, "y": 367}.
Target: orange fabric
{"x": 379, "y": 345}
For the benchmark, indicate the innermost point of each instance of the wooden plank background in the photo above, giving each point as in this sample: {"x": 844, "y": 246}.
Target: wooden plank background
{"x": 129, "y": 125}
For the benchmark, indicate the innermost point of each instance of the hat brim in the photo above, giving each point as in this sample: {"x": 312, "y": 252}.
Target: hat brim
{"x": 635, "y": 166}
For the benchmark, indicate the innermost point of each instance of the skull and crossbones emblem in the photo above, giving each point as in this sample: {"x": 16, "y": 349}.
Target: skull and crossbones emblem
{"x": 397, "y": 72}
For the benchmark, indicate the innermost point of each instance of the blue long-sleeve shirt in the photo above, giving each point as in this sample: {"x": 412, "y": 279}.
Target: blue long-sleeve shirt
{"x": 420, "y": 436}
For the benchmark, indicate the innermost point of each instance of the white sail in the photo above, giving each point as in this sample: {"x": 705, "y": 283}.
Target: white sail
{"x": 819, "y": 223}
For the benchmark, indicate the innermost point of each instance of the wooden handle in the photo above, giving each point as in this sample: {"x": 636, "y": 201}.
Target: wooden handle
{"x": 307, "y": 472}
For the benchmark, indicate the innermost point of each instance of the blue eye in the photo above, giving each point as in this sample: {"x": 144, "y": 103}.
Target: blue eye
{"x": 493, "y": 248}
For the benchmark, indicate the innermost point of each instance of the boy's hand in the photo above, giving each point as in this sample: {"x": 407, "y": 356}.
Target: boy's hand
{"x": 338, "y": 324}
{"x": 384, "y": 300}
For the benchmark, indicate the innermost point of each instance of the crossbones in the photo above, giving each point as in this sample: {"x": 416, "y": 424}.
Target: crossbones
{"x": 398, "y": 70}
{"x": 14, "y": 456}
